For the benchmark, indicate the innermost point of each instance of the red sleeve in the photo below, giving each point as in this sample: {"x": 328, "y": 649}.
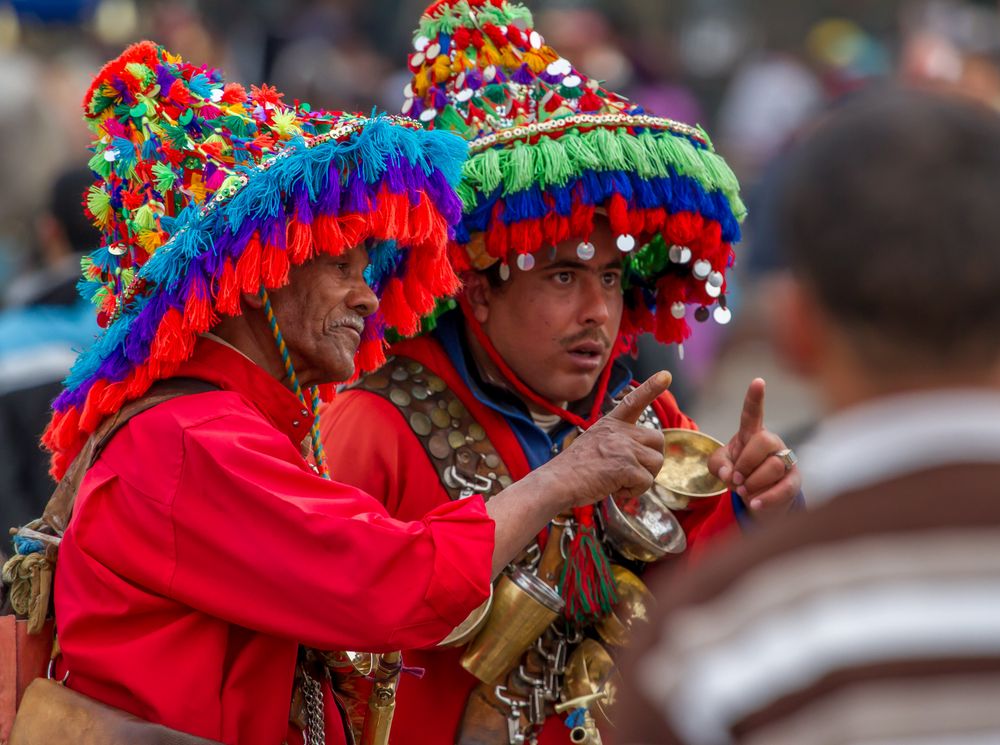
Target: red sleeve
{"x": 252, "y": 536}
{"x": 371, "y": 446}
{"x": 705, "y": 520}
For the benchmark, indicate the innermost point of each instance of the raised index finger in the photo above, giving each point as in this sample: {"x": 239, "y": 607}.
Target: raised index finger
{"x": 630, "y": 407}
{"x": 752, "y": 416}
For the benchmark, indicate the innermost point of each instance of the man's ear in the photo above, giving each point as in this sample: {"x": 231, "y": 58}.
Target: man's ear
{"x": 478, "y": 292}
{"x": 800, "y": 327}
{"x": 252, "y": 299}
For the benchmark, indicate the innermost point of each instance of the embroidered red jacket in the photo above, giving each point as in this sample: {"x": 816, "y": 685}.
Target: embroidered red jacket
{"x": 203, "y": 550}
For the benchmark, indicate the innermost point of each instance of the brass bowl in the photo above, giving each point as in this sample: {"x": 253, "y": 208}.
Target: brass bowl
{"x": 633, "y": 607}
{"x": 685, "y": 465}
{"x": 470, "y": 626}
{"x": 642, "y": 528}
{"x": 590, "y": 669}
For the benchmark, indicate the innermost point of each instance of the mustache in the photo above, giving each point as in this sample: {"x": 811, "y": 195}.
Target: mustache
{"x": 355, "y": 322}
{"x": 596, "y": 334}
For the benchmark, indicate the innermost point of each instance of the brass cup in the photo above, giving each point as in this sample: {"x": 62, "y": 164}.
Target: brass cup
{"x": 642, "y": 528}
{"x": 470, "y": 626}
{"x": 633, "y": 607}
{"x": 523, "y": 607}
{"x": 685, "y": 473}
{"x": 590, "y": 669}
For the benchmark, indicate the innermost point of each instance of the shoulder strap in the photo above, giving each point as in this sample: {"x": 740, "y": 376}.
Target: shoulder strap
{"x": 60, "y": 505}
{"x": 466, "y": 461}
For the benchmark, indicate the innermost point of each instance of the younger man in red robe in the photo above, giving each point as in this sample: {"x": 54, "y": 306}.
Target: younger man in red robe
{"x": 585, "y": 222}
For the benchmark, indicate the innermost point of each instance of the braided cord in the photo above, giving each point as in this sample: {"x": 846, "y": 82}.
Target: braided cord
{"x": 312, "y": 403}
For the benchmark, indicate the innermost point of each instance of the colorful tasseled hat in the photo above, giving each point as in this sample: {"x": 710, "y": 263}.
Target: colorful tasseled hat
{"x": 550, "y": 147}
{"x": 204, "y": 191}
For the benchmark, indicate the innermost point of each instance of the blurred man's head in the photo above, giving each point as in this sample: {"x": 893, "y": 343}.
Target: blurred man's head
{"x": 888, "y": 213}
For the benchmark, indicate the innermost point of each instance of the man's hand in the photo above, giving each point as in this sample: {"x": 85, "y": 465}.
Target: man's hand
{"x": 614, "y": 456}
{"x": 748, "y": 464}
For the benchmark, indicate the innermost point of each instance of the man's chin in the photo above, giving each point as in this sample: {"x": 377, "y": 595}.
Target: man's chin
{"x": 571, "y": 386}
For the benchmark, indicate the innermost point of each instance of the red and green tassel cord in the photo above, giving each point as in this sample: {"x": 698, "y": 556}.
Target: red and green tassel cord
{"x": 312, "y": 403}
{"x": 587, "y": 584}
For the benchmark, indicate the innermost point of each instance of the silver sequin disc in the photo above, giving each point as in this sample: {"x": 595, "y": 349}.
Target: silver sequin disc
{"x": 117, "y": 249}
{"x": 677, "y": 310}
{"x": 711, "y": 290}
{"x": 701, "y": 268}
{"x": 433, "y": 51}
{"x": 586, "y": 250}
{"x": 428, "y": 114}
{"x": 504, "y": 272}
{"x": 572, "y": 81}
{"x": 525, "y": 262}
{"x": 420, "y": 43}
{"x": 625, "y": 243}
{"x": 722, "y": 315}
{"x": 464, "y": 95}
{"x": 715, "y": 279}
{"x": 417, "y": 59}
{"x": 535, "y": 39}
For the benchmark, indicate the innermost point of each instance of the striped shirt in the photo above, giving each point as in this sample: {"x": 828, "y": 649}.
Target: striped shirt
{"x": 872, "y": 618}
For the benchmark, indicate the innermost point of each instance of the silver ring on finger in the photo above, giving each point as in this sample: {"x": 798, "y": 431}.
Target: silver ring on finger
{"x": 787, "y": 457}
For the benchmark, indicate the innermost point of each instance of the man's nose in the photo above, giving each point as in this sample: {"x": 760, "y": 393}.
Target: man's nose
{"x": 594, "y": 310}
{"x": 362, "y": 299}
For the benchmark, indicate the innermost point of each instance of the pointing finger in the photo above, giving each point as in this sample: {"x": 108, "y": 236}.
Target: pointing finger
{"x": 636, "y": 401}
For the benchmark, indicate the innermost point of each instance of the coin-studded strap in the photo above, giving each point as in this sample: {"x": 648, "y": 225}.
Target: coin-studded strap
{"x": 463, "y": 456}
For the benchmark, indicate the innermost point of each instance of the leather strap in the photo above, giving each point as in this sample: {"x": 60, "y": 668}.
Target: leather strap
{"x": 457, "y": 445}
{"x": 60, "y": 505}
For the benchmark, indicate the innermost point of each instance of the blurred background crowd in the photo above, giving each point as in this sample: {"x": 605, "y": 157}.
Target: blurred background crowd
{"x": 752, "y": 72}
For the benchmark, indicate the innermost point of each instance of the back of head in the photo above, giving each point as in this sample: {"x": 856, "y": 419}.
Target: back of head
{"x": 888, "y": 211}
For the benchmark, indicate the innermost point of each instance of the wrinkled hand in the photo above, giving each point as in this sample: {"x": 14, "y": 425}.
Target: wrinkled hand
{"x": 614, "y": 456}
{"x": 747, "y": 463}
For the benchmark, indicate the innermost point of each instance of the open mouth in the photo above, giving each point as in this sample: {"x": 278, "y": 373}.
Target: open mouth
{"x": 587, "y": 354}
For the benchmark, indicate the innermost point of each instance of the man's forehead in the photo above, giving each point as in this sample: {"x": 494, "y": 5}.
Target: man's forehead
{"x": 566, "y": 256}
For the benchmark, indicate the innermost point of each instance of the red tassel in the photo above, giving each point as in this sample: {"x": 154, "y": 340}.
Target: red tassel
{"x": 417, "y": 297}
{"x": 227, "y": 294}
{"x": 198, "y": 313}
{"x": 299, "y": 242}
{"x": 458, "y": 257}
{"x": 63, "y": 429}
{"x": 618, "y": 216}
{"x": 138, "y": 381}
{"x": 497, "y": 240}
{"x": 370, "y": 356}
{"x": 355, "y": 229}
{"x": 248, "y": 265}
{"x": 112, "y": 397}
{"x": 669, "y": 290}
{"x": 581, "y": 220}
{"x": 171, "y": 343}
{"x": 397, "y": 312}
{"x": 422, "y": 220}
{"x": 526, "y": 236}
{"x": 327, "y": 236}
{"x": 274, "y": 267}
{"x": 91, "y": 416}
{"x": 683, "y": 228}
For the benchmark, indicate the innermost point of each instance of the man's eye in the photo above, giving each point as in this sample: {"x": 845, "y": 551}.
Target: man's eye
{"x": 563, "y": 278}
{"x": 611, "y": 279}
